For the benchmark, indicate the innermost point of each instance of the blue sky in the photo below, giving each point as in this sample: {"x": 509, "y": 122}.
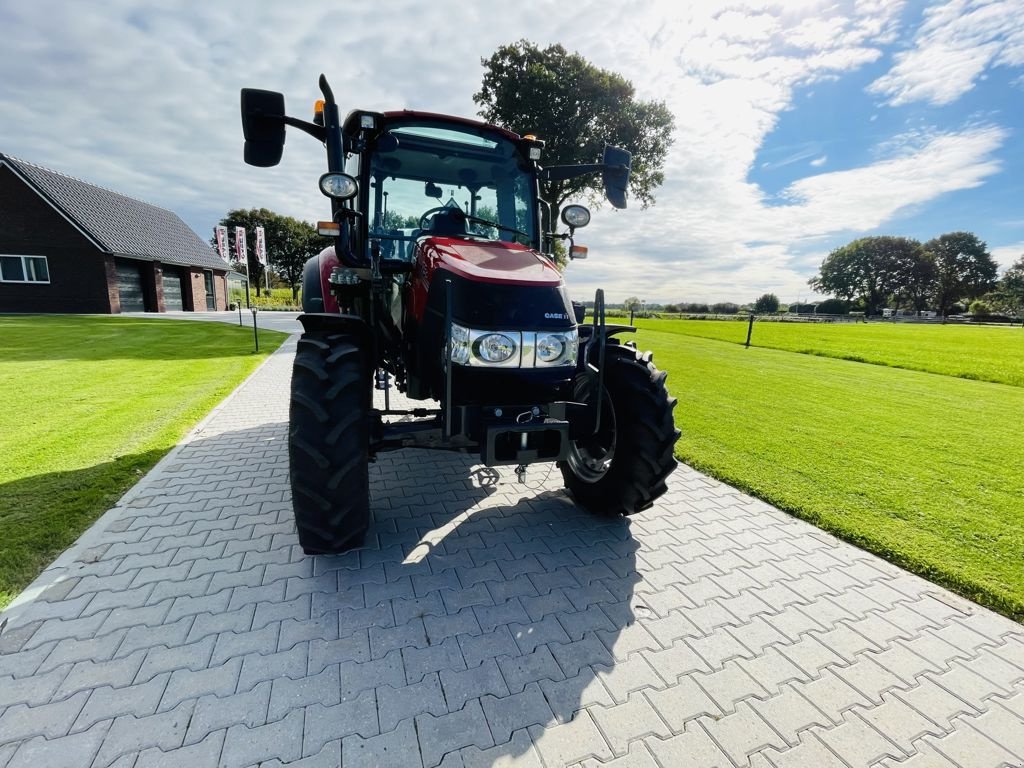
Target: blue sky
{"x": 800, "y": 125}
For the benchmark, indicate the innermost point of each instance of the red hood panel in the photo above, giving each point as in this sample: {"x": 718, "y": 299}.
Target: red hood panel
{"x": 490, "y": 262}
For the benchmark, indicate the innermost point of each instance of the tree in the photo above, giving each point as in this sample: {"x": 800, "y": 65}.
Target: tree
{"x": 289, "y": 243}
{"x": 870, "y": 269}
{"x": 575, "y": 107}
{"x": 767, "y": 304}
{"x": 725, "y": 308}
{"x": 964, "y": 269}
{"x": 632, "y": 303}
{"x": 672, "y": 309}
{"x": 1009, "y": 293}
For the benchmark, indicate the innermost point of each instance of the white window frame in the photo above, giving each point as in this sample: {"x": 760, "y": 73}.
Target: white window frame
{"x": 24, "y": 268}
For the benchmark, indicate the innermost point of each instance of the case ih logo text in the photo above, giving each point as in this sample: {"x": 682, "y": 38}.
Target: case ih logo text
{"x": 555, "y": 316}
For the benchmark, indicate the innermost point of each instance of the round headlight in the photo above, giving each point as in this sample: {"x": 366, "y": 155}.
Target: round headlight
{"x": 575, "y": 216}
{"x": 495, "y": 348}
{"x": 550, "y": 348}
{"x": 340, "y": 186}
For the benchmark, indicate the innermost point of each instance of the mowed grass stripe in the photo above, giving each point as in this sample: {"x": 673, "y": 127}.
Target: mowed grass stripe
{"x": 89, "y": 405}
{"x": 985, "y": 353}
{"x": 925, "y": 470}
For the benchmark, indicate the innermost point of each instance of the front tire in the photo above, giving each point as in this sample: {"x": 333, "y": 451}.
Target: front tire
{"x": 328, "y": 443}
{"x": 622, "y": 469}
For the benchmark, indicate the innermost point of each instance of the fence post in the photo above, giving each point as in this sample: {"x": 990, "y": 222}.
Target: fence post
{"x": 631, "y": 316}
{"x": 750, "y": 329}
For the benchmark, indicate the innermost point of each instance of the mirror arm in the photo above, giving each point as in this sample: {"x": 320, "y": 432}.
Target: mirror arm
{"x": 565, "y": 172}
{"x": 318, "y": 132}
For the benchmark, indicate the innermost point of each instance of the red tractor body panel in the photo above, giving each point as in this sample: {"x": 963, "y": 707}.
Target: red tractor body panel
{"x": 481, "y": 262}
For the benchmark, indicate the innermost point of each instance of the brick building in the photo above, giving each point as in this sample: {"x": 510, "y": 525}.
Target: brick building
{"x": 70, "y": 246}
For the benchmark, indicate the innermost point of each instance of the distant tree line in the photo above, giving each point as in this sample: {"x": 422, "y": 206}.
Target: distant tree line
{"x": 948, "y": 274}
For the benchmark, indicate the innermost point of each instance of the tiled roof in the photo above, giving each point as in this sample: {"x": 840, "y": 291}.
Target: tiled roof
{"x": 122, "y": 225}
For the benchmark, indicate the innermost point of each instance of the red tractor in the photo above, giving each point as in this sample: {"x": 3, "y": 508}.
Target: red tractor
{"x": 441, "y": 283}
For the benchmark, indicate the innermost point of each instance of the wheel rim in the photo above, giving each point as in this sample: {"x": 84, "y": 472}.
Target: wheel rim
{"x": 591, "y": 457}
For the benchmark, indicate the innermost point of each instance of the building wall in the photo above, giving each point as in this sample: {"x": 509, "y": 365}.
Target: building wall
{"x": 197, "y": 282}
{"x": 78, "y": 269}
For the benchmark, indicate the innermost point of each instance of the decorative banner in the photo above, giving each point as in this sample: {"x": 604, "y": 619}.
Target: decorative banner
{"x": 240, "y": 249}
{"x": 261, "y": 247}
{"x": 221, "y": 234}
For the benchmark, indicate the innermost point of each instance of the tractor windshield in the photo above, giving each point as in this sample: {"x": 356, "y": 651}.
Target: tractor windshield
{"x": 438, "y": 166}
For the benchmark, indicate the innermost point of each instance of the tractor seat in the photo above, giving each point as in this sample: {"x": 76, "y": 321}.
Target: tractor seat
{"x": 449, "y": 223}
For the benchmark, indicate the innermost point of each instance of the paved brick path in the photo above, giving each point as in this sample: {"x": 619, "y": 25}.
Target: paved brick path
{"x": 486, "y": 624}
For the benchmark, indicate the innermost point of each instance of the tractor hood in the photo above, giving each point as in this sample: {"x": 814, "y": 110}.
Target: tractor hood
{"x": 491, "y": 262}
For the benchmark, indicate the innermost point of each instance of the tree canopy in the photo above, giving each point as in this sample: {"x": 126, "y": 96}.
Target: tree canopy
{"x": 575, "y": 107}
{"x": 767, "y": 304}
{"x": 290, "y": 242}
{"x": 1009, "y": 294}
{"x": 964, "y": 269}
{"x": 872, "y": 269}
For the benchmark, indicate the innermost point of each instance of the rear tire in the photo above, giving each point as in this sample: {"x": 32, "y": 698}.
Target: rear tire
{"x": 328, "y": 443}
{"x": 623, "y": 468}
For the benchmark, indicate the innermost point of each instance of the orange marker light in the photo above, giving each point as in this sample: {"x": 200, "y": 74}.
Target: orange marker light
{"x": 318, "y": 107}
{"x": 328, "y": 228}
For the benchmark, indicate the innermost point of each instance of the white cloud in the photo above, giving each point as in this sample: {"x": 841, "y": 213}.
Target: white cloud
{"x": 1007, "y": 255}
{"x": 819, "y": 161}
{"x": 956, "y": 43}
{"x": 146, "y": 102}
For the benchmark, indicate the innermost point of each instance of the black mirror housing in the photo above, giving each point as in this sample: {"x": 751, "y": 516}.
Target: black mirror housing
{"x": 263, "y": 126}
{"x": 430, "y": 189}
{"x": 617, "y": 163}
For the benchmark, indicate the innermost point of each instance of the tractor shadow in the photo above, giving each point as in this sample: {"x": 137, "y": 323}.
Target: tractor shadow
{"x": 519, "y": 591}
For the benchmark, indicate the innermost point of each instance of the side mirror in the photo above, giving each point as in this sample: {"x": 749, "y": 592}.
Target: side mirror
{"x": 430, "y": 189}
{"x": 263, "y": 126}
{"x": 617, "y": 163}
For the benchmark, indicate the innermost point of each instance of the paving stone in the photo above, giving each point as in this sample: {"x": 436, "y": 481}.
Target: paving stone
{"x": 330, "y": 724}
{"x": 935, "y": 702}
{"x": 397, "y": 704}
{"x": 230, "y": 645}
{"x": 399, "y": 747}
{"x": 900, "y": 723}
{"x": 475, "y": 682}
{"x": 191, "y": 684}
{"x": 421, "y": 661}
{"x": 477, "y": 649}
{"x": 681, "y": 703}
{"x": 354, "y": 648}
{"x": 74, "y": 751}
{"x": 809, "y": 752}
{"x": 292, "y": 663}
{"x": 70, "y": 651}
{"x": 510, "y": 713}
{"x": 742, "y": 733}
{"x": 50, "y": 721}
{"x": 571, "y": 742}
{"x": 626, "y": 722}
{"x": 31, "y": 691}
{"x": 204, "y": 754}
{"x": 519, "y": 752}
{"x": 214, "y": 713}
{"x": 128, "y": 734}
{"x": 627, "y": 676}
{"x": 86, "y": 675}
{"x": 357, "y": 677}
{"x": 27, "y": 663}
{"x": 161, "y": 659}
{"x": 244, "y": 746}
{"x": 533, "y": 667}
{"x": 106, "y": 703}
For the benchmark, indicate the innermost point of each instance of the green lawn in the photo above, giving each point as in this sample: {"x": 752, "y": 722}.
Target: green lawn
{"x": 89, "y": 405}
{"x": 925, "y": 470}
{"x": 987, "y": 353}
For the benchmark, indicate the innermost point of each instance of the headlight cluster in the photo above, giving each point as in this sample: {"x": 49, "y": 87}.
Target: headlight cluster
{"x": 514, "y": 349}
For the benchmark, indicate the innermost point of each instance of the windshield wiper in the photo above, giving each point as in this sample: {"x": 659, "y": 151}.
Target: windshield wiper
{"x": 496, "y": 225}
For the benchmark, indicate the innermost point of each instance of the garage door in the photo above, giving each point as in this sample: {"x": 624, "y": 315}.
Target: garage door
{"x": 129, "y": 285}
{"x": 172, "y": 290}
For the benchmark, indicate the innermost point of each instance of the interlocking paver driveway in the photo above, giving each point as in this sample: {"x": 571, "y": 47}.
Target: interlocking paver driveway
{"x": 486, "y": 623}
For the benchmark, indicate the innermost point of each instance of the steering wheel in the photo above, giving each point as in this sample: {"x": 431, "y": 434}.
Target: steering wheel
{"x": 431, "y": 212}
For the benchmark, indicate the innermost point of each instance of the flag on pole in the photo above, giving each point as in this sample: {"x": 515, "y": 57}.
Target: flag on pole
{"x": 221, "y": 235}
{"x": 240, "y": 249}
{"x": 261, "y": 247}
